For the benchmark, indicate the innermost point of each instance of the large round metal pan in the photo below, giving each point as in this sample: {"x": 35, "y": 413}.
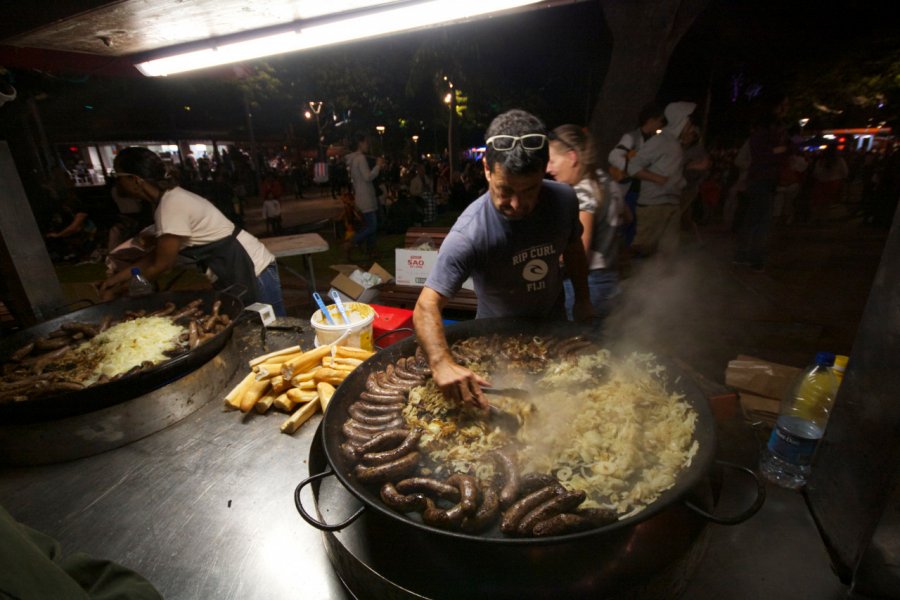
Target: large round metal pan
{"x": 100, "y": 396}
{"x": 350, "y": 389}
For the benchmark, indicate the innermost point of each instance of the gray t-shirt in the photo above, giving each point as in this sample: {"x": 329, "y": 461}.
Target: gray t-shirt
{"x": 513, "y": 264}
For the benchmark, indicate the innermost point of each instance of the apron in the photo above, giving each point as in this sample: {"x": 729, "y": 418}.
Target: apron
{"x": 230, "y": 263}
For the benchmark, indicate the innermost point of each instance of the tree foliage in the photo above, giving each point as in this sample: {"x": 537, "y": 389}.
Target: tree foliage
{"x": 861, "y": 88}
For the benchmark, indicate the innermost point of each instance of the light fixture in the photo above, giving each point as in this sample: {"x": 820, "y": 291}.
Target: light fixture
{"x": 334, "y": 29}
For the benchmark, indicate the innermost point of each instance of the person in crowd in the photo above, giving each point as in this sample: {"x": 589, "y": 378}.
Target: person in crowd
{"x": 271, "y": 209}
{"x": 768, "y": 148}
{"x": 421, "y": 190}
{"x": 829, "y": 177}
{"x": 73, "y": 232}
{"x": 509, "y": 241}
{"x": 659, "y": 165}
{"x": 697, "y": 164}
{"x": 271, "y": 187}
{"x": 650, "y": 120}
{"x": 790, "y": 181}
{"x": 361, "y": 176}
{"x": 573, "y": 160}
{"x": 188, "y": 225}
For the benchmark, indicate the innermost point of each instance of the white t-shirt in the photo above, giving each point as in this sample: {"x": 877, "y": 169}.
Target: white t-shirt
{"x": 198, "y": 222}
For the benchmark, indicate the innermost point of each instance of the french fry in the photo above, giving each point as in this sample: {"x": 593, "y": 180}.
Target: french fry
{"x": 301, "y": 396}
{"x": 265, "y": 403}
{"x": 332, "y": 376}
{"x": 305, "y": 361}
{"x": 309, "y": 384}
{"x": 267, "y": 370}
{"x": 299, "y": 378}
{"x": 254, "y": 392}
{"x": 280, "y": 384}
{"x": 300, "y": 416}
{"x": 348, "y": 352}
{"x": 271, "y": 356}
{"x": 284, "y": 403}
{"x": 325, "y": 391}
{"x": 346, "y": 362}
{"x": 327, "y": 362}
{"x": 233, "y": 398}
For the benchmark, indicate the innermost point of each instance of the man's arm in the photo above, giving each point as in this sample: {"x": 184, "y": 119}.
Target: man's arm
{"x": 456, "y": 382}
{"x": 152, "y": 265}
{"x": 577, "y": 270}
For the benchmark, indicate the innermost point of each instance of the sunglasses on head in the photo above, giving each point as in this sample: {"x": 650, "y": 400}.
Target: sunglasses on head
{"x": 529, "y": 141}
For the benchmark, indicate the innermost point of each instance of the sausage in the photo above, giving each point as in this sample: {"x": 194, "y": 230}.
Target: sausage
{"x": 167, "y": 309}
{"x": 409, "y": 444}
{"x": 377, "y": 408}
{"x": 47, "y": 344}
{"x": 373, "y": 429}
{"x": 450, "y": 518}
{"x": 369, "y": 419}
{"x": 486, "y": 514}
{"x": 421, "y": 358}
{"x": 216, "y": 307}
{"x": 563, "y": 502}
{"x": 561, "y": 524}
{"x": 468, "y": 492}
{"x": 402, "y": 502}
{"x": 374, "y": 387}
{"x": 22, "y": 352}
{"x": 194, "y": 335}
{"x": 531, "y": 482}
{"x": 413, "y": 366}
{"x": 598, "y": 517}
{"x": 523, "y": 506}
{"x": 355, "y": 435}
{"x": 85, "y": 328}
{"x": 506, "y": 464}
{"x": 385, "y": 385}
{"x": 390, "y": 471}
{"x": 45, "y": 359}
{"x": 349, "y": 452}
{"x": 401, "y": 375}
{"x": 382, "y": 398}
{"x": 426, "y": 485}
{"x": 383, "y": 441}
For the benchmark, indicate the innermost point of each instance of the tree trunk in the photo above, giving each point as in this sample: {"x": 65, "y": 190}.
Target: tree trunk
{"x": 645, "y": 33}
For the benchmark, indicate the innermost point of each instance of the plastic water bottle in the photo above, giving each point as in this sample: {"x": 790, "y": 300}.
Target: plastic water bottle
{"x": 800, "y": 425}
{"x": 139, "y": 286}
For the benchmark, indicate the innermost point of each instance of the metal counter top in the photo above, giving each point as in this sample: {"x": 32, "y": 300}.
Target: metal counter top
{"x": 204, "y": 509}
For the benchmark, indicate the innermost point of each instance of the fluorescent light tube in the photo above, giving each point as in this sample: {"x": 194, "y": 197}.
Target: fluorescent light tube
{"x": 389, "y": 20}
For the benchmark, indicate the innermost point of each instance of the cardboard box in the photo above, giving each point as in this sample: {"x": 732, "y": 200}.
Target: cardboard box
{"x": 352, "y": 290}
{"x": 761, "y": 385}
{"x": 414, "y": 266}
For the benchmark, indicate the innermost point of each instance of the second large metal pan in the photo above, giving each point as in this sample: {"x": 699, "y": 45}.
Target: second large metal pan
{"x": 103, "y": 395}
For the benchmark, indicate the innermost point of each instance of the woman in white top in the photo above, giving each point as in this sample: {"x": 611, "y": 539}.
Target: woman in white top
{"x": 188, "y": 225}
{"x": 573, "y": 160}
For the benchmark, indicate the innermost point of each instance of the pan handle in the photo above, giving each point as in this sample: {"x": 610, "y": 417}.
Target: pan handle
{"x": 390, "y": 333}
{"x": 740, "y": 517}
{"x": 312, "y": 520}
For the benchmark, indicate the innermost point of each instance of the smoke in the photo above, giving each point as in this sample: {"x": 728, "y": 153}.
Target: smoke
{"x": 669, "y": 307}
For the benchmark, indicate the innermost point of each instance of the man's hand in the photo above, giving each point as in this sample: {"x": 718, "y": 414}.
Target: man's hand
{"x": 459, "y": 383}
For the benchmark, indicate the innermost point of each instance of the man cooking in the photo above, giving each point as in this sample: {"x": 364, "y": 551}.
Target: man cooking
{"x": 509, "y": 241}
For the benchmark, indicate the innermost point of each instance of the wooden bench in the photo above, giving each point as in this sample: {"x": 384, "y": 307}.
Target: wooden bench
{"x": 405, "y": 296}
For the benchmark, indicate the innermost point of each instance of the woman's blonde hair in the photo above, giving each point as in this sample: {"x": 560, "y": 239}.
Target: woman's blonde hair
{"x": 580, "y": 141}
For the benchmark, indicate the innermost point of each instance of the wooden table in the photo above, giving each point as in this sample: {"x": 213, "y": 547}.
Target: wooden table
{"x": 301, "y": 244}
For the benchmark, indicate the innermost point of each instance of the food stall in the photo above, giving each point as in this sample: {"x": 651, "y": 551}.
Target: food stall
{"x": 205, "y": 507}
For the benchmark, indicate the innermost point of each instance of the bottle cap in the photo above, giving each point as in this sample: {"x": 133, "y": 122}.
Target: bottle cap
{"x": 825, "y": 359}
{"x": 135, "y": 270}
